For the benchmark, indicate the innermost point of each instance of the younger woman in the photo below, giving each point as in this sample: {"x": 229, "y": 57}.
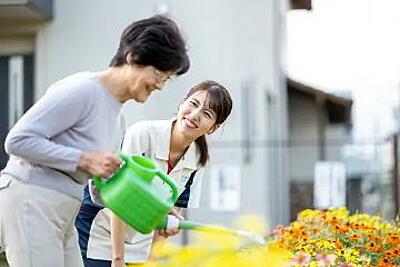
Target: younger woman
{"x": 179, "y": 148}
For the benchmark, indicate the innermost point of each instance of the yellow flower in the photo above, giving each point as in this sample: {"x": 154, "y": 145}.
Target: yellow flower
{"x": 307, "y": 213}
{"x": 356, "y": 240}
{"x": 351, "y": 255}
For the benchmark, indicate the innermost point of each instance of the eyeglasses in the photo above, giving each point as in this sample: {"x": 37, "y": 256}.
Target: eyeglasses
{"x": 161, "y": 76}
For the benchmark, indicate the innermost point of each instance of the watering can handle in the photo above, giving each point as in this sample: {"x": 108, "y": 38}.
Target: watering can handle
{"x": 99, "y": 182}
{"x": 171, "y": 183}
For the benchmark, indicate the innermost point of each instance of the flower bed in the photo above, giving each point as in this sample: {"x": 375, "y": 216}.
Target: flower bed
{"x": 334, "y": 238}
{"x": 316, "y": 239}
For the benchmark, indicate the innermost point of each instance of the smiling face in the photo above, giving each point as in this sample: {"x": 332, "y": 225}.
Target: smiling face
{"x": 195, "y": 117}
{"x": 142, "y": 81}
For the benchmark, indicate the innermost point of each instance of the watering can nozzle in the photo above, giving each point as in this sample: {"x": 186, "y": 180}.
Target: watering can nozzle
{"x": 173, "y": 222}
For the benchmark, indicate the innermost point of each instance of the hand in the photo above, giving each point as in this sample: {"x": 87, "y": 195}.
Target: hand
{"x": 118, "y": 262}
{"x": 173, "y": 231}
{"x": 177, "y": 213}
{"x": 102, "y": 164}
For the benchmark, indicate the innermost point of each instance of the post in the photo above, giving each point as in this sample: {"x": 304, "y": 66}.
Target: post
{"x": 320, "y": 101}
{"x": 396, "y": 181}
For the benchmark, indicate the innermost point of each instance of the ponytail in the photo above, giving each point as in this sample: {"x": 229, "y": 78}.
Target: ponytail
{"x": 202, "y": 146}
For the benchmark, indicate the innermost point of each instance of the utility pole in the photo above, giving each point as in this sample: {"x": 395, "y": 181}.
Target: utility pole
{"x": 396, "y": 180}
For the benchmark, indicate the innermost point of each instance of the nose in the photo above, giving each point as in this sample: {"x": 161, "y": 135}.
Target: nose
{"x": 195, "y": 114}
{"x": 159, "y": 85}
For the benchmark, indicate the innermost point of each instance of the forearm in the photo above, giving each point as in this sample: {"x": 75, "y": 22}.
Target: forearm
{"x": 118, "y": 228}
{"x": 157, "y": 238}
{"x": 40, "y": 150}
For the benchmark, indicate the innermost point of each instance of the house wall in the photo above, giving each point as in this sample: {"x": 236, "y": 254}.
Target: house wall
{"x": 304, "y": 149}
{"x": 303, "y": 134}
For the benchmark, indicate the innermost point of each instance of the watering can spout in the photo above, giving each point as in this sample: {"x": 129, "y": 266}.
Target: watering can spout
{"x": 171, "y": 221}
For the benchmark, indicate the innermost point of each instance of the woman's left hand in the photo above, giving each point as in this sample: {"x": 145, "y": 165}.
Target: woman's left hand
{"x": 173, "y": 231}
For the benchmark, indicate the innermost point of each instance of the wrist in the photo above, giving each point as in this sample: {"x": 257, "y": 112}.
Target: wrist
{"x": 83, "y": 161}
{"x": 117, "y": 258}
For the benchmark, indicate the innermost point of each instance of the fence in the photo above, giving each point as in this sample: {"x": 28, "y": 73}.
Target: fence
{"x": 371, "y": 170}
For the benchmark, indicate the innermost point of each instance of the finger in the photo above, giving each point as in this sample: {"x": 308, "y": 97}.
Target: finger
{"x": 176, "y": 231}
{"x": 164, "y": 234}
{"x": 177, "y": 214}
{"x": 117, "y": 165}
{"x": 171, "y": 232}
{"x": 161, "y": 233}
{"x": 111, "y": 163}
{"x": 107, "y": 174}
{"x": 115, "y": 159}
{"x": 167, "y": 233}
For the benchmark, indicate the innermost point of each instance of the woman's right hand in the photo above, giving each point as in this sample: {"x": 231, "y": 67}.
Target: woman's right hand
{"x": 102, "y": 164}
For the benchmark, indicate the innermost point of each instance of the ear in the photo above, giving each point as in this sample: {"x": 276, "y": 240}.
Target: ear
{"x": 128, "y": 58}
{"x": 213, "y": 129}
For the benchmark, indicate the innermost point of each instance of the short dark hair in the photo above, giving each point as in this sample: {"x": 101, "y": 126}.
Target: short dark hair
{"x": 155, "y": 41}
{"x": 220, "y": 101}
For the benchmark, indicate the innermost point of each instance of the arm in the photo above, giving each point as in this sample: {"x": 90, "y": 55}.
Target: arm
{"x": 118, "y": 228}
{"x": 58, "y": 111}
{"x": 162, "y": 235}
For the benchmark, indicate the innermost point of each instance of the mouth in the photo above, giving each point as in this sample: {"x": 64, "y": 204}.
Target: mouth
{"x": 191, "y": 124}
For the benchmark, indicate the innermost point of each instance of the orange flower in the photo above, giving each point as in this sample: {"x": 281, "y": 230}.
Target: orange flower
{"x": 371, "y": 246}
{"x": 389, "y": 254}
{"x": 338, "y": 244}
{"x": 355, "y": 236}
{"x": 393, "y": 239}
{"x": 384, "y": 263}
{"x": 340, "y": 229}
{"x": 396, "y": 252}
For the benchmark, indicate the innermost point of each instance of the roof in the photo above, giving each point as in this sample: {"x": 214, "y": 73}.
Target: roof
{"x": 338, "y": 107}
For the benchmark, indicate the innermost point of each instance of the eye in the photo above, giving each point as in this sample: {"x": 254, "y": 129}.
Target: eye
{"x": 208, "y": 114}
{"x": 193, "y": 103}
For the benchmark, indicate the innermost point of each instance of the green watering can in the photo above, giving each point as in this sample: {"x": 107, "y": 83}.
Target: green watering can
{"x": 132, "y": 197}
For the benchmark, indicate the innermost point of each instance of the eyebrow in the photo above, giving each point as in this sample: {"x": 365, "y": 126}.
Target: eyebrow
{"x": 195, "y": 99}
{"x": 205, "y": 107}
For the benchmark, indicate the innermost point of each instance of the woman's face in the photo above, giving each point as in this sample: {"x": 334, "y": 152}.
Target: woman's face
{"x": 195, "y": 118}
{"x": 142, "y": 81}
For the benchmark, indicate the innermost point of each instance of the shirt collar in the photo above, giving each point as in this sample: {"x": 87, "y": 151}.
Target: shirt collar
{"x": 189, "y": 159}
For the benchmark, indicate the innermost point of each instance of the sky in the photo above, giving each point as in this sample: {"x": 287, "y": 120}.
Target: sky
{"x": 351, "y": 46}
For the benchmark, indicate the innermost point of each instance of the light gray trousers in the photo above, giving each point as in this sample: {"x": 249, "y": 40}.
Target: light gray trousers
{"x": 37, "y": 225}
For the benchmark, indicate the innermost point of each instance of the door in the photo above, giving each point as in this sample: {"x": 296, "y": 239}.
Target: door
{"x": 16, "y": 93}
